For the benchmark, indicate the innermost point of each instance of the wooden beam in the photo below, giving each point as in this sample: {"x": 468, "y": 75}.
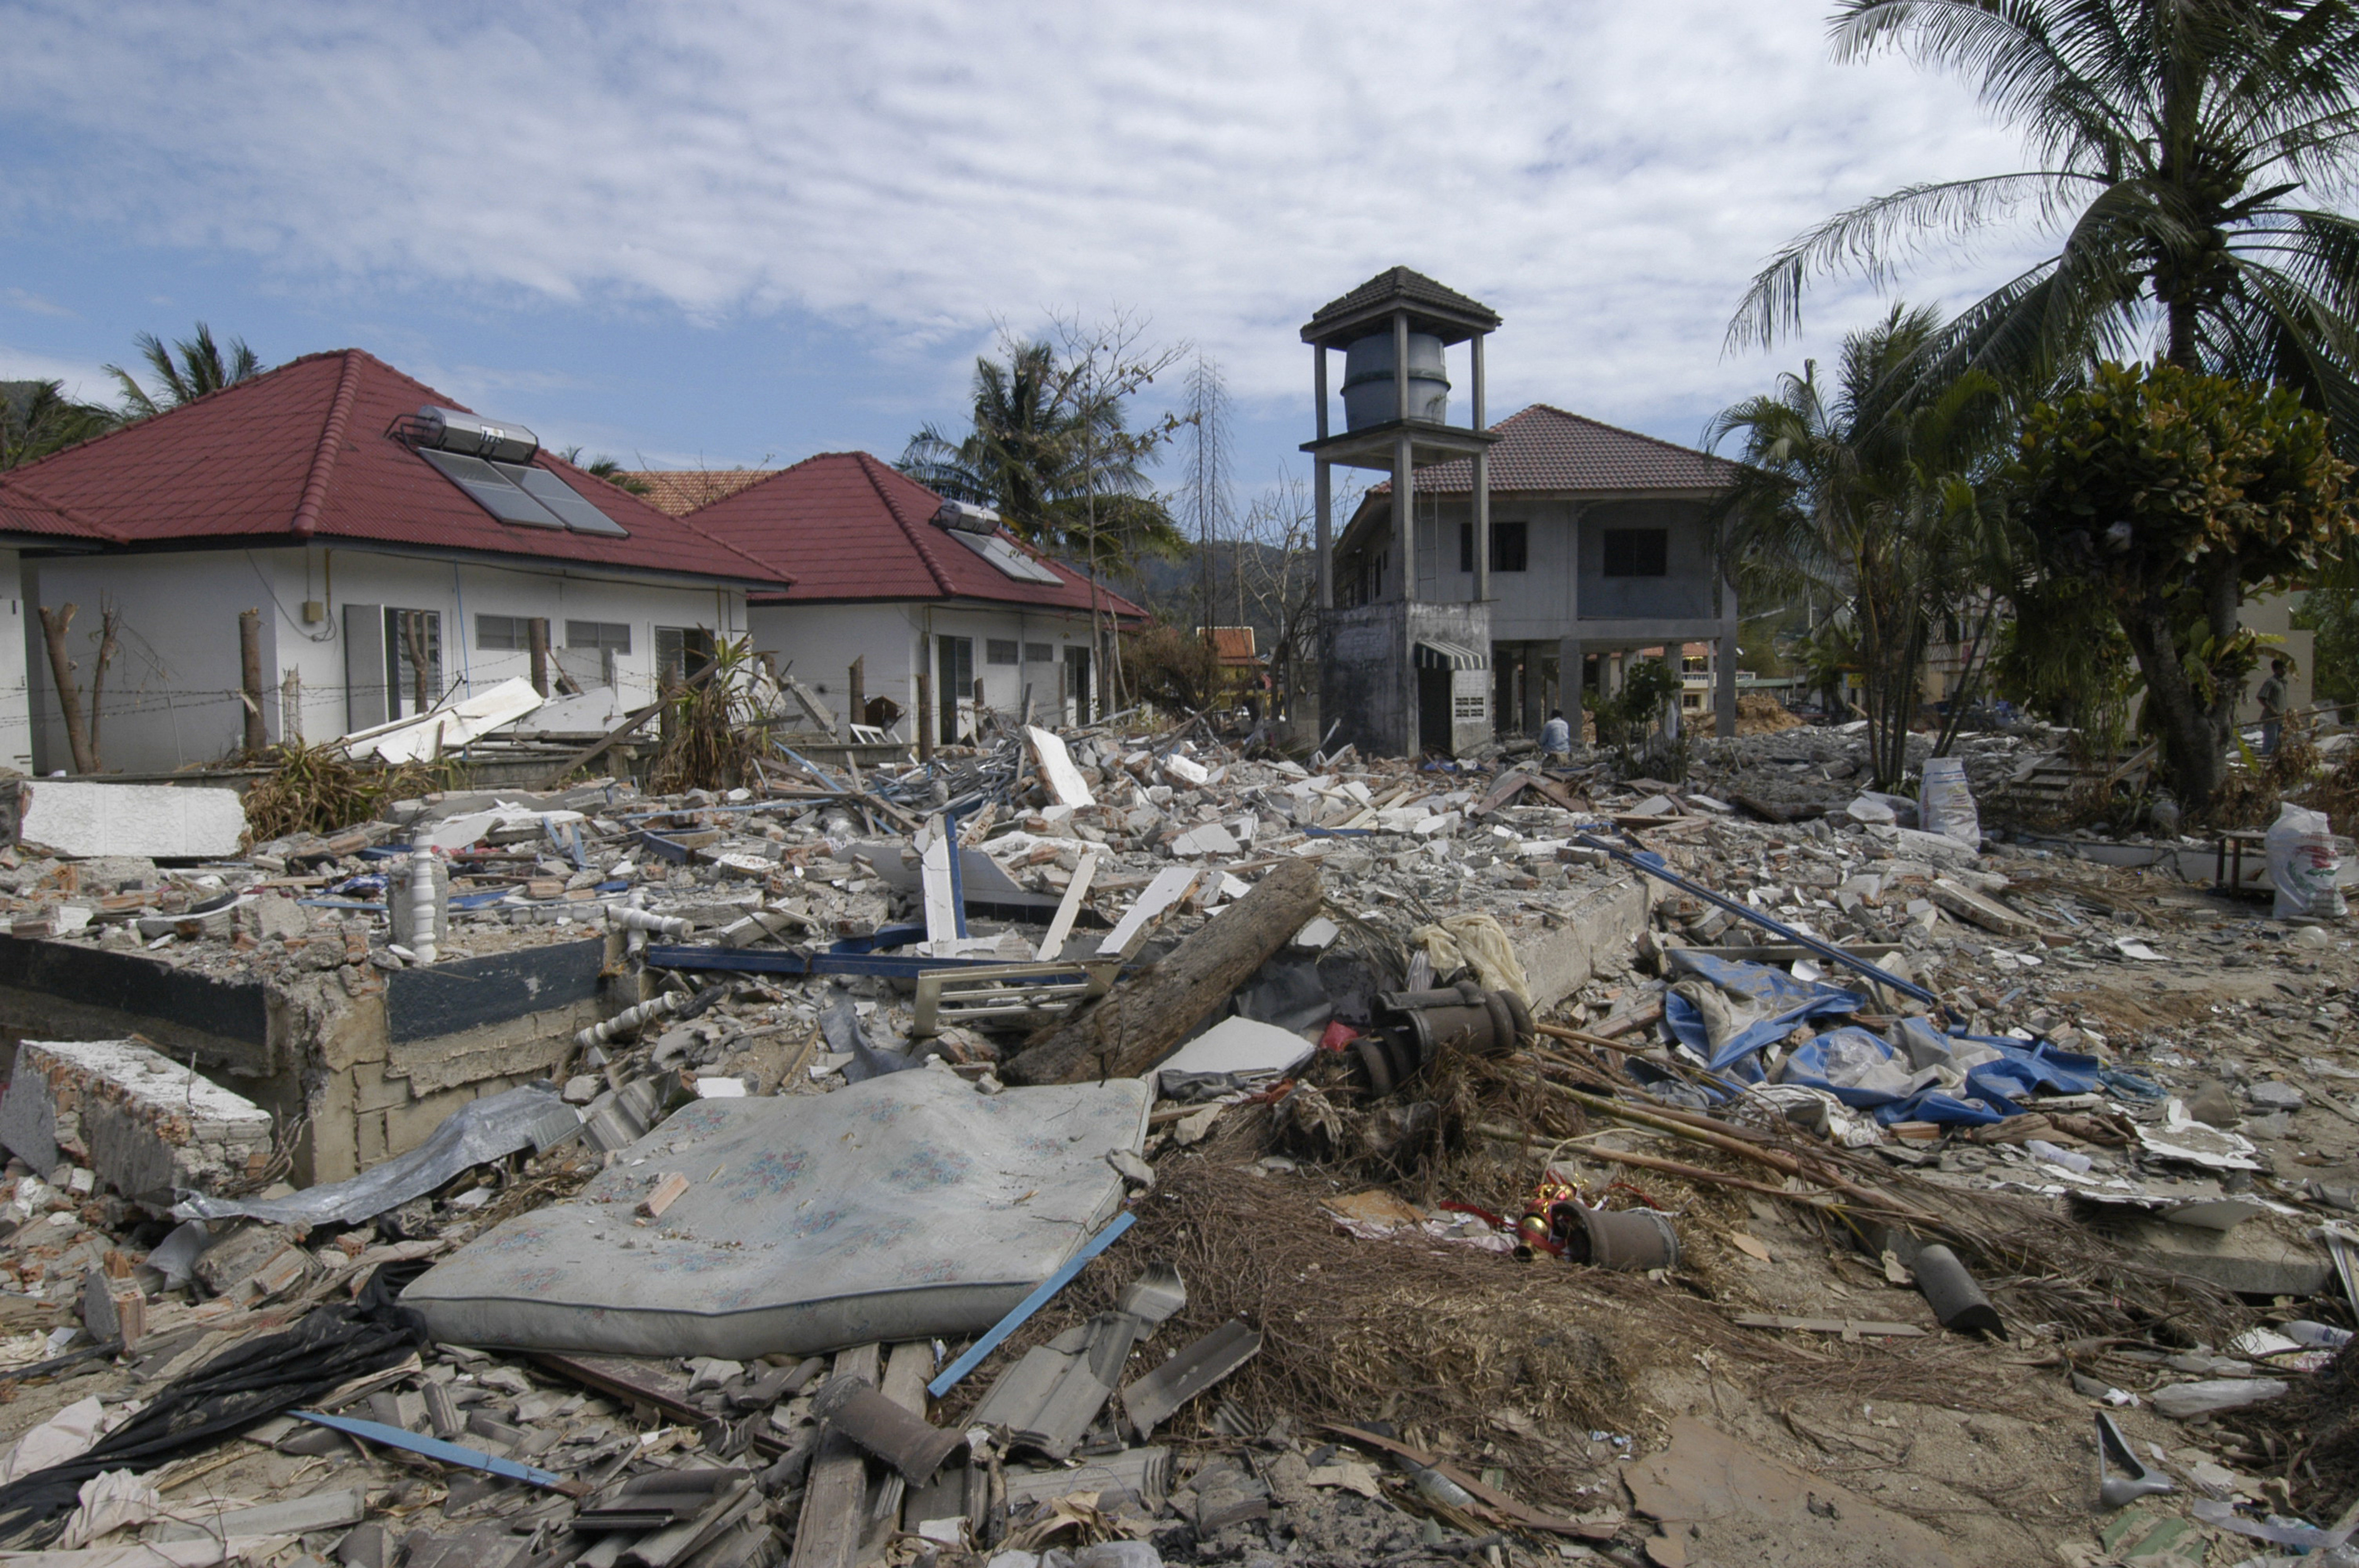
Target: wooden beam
{"x": 827, "y": 1533}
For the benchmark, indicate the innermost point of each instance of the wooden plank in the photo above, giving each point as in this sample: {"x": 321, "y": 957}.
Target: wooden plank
{"x": 1848, "y": 1327}
{"x": 834, "y": 1502}
{"x": 906, "y": 1367}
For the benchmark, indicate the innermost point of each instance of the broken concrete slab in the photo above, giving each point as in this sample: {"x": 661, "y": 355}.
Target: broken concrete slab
{"x": 2256, "y": 1259}
{"x": 1059, "y": 775}
{"x": 1955, "y": 898}
{"x": 797, "y": 1237}
{"x": 1239, "y": 1045}
{"x": 163, "y": 822}
{"x": 147, "y": 1125}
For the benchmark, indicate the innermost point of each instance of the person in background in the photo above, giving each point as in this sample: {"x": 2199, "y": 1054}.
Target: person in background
{"x": 1556, "y": 736}
{"x": 2272, "y": 699}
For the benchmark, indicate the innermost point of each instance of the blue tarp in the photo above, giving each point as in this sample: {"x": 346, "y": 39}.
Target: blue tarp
{"x": 1992, "y": 1089}
{"x": 1787, "y": 1000}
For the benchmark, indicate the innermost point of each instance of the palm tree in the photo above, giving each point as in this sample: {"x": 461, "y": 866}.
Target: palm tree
{"x": 1019, "y": 449}
{"x": 2180, "y": 146}
{"x": 37, "y": 418}
{"x": 1054, "y": 456}
{"x": 1846, "y": 499}
{"x": 202, "y": 367}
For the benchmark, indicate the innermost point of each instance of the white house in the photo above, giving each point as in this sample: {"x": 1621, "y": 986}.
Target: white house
{"x": 397, "y": 548}
{"x": 890, "y": 578}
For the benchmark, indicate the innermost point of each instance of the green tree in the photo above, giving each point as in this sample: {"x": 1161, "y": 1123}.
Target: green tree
{"x": 2173, "y": 494}
{"x": 1876, "y": 510}
{"x": 37, "y": 418}
{"x": 609, "y": 469}
{"x": 1048, "y": 447}
{"x": 203, "y": 366}
{"x": 2177, "y": 150}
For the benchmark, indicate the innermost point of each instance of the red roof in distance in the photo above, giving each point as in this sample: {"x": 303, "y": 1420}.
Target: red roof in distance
{"x": 851, "y": 528}
{"x": 305, "y": 451}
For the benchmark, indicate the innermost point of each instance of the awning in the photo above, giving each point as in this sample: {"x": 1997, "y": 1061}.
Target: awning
{"x": 1435, "y": 654}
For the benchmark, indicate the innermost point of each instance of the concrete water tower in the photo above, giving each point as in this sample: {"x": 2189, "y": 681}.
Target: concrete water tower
{"x": 1404, "y": 671}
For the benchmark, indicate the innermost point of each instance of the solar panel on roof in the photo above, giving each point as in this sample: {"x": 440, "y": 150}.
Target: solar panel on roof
{"x": 1011, "y": 561}
{"x": 566, "y": 502}
{"x": 492, "y": 490}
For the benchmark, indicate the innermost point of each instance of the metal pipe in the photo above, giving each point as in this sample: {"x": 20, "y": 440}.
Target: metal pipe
{"x": 1747, "y": 911}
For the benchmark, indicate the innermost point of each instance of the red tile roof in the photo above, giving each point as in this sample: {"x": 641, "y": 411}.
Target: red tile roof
{"x": 304, "y": 450}
{"x": 680, "y": 491}
{"x": 24, "y": 510}
{"x": 1233, "y": 644}
{"x": 851, "y": 527}
{"x": 1545, "y": 448}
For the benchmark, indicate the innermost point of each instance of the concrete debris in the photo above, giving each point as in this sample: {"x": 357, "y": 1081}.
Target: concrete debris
{"x": 779, "y": 1172}
{"x": 88, "y": 819}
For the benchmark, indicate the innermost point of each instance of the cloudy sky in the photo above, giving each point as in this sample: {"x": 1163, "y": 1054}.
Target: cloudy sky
{"x": 725, "y": 234}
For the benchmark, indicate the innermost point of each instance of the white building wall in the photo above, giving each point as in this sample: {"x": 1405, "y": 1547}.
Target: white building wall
{"x": 820, "y": 643}
{"x": 172, "y": 694}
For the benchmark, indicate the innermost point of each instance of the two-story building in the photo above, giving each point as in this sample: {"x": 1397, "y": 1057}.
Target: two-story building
{"x": 1600, "y": 547}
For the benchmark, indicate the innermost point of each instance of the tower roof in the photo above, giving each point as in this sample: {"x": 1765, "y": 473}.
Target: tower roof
{"x": 1447, "y": 314}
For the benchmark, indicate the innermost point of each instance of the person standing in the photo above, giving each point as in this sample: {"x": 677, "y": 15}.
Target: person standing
{"x": 2272, "y": 699}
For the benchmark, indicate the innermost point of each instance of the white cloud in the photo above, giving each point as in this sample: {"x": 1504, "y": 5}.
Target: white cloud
{"x": 87, "y": 382}
{"x": 1606, "y": 175}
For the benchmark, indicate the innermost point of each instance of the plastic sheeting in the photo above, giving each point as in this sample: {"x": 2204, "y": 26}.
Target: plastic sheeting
{"x": 483, "y": 1130}
{"x": 908, "y": 1206}
{"x": 1916, "y": 1073}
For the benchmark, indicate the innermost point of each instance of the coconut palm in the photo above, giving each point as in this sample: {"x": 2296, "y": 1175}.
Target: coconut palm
{"x": 1053, "y": 454}
{"x": 1878, "y": 509}
{"x": 37, "y": 418}
{"x": 2185, "y": 152}
{"x": 203, "y": 366}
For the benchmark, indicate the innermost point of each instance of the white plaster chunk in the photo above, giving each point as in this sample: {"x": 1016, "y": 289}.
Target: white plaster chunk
{"x": 160, "y": 821}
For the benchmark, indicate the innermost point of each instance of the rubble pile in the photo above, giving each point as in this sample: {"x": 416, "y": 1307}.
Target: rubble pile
{"x": 1107, "y": 1148}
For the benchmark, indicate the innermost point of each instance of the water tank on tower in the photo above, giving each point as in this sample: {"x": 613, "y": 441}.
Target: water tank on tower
{"x": 1368, "y": 380}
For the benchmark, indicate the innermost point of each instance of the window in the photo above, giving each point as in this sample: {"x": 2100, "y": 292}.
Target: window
{"x": 413, "y": 660}
{"x": 503, "y": 633}
{"x": 999, "y": 651}
{"x": 1510, "y": 547}
{"x": 612, "y": 636}
{"x": 1637, "y": 552}
{"x": 1040, "y": 653}
{"x": 681, "y": 653}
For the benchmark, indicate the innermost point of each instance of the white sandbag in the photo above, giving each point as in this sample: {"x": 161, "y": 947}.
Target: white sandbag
{"x": 1946, "y": 805}
{"x": 2303, "y": 864}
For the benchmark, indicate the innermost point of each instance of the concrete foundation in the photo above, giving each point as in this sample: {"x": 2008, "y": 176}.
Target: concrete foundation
{"x": 374, "y": 1062}
{"x": 2254, "y": 1258}
{"x": 145, "y": 1124}
{"x": 1587, "y": 933}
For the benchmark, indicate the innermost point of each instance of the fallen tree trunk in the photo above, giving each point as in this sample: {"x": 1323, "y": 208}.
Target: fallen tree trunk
{"x": 1143, "y": 1017}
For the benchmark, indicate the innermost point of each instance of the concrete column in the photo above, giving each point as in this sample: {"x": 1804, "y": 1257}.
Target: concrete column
{"x": 1318, "y": 385}
{"x": 1404, "y": 515}
{"x": 1535, "y": 690}
{"x": 1400, "y": 364}
{"x": 1723, "y": 667}
{"x": 1323, "y": 487}
{"x": 1568, "y": 681}
{"x": 1482, "y": 514}
{"x": 1481, "y": 509}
